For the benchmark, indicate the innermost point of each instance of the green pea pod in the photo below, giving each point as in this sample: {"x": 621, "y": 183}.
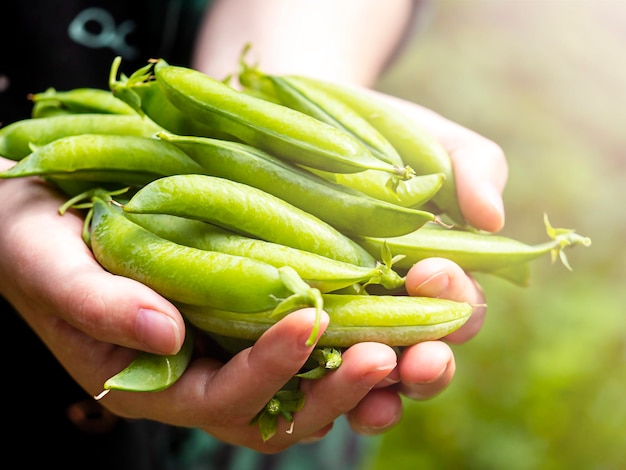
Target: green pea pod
{"x": 417, "y": 147}
{"x": 413, "y": 193}
{"x": 318, "y": 271}
{"x": 392, "y": 320}
{"x": 185, "y": 274}
{"x": 476, "y": 251}
{"x": 277, "y": 129}
{"x": 104, "y": 158}
{"x": 246, "y": 210}
{"x": 301, "y": 96}
{"x": 349, "y": 211}
{"x": 18, "y": 138}
{"x": 82, "y": 100}
{"x": 145, "y": 96}
{"x": 153, "y": 372}
{"x": 49, "y": 109}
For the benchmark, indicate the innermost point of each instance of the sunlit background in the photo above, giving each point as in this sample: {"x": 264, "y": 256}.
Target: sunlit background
{"x": 543, "y": 386}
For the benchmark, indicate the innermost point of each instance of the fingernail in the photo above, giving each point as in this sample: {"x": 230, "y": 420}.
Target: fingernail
{"x": 434, "y": 286}
{"x": 373, "y": 377}
{"x": 374, "y": 430}
{"x": 157, "y": 331}
{"x": 425, "y": 389}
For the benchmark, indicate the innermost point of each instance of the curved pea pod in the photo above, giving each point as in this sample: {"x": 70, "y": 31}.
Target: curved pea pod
{"x": 246, "y": 210}
{"x": 104, "y": 158}
{"x": 185, "y": 274}
{"x": 349, "y": 211}
{"x": 477, "y": 251}
{"x": 416, "y": 146}
{"x": 301, "y": 96}
{"x": 18, "y": 139}
{"x": 318, "y": 271}
{"x": 388, "y": 319}
{"x": 81, "y": 100}
{"x": 152, "y": 372}
{"x": 277, "y": 129}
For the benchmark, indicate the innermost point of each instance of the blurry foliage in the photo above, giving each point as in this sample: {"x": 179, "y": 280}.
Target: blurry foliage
{"x": 543, "y": 385}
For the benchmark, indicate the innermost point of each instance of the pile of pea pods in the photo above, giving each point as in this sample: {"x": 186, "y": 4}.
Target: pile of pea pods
{"x": 243, "y": 204}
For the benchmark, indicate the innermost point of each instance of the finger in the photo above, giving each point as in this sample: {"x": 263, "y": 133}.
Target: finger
{"x": 481, "y": 173}
{"x": 363, "y": 366}
{"x": 377, "y": 412}
{"x": 265, "y": 367}
{"x": 222, "y": 399}
{"x": 426, "y": 369}
{"x": 47, "y": 247}
{"x": 441, "y": 278}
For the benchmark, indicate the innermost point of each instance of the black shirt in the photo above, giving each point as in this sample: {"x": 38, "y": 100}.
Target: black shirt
{"x": 71, "y": 43}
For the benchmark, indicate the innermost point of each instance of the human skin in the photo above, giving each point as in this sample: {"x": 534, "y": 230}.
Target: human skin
{"x": 94, "y": 322}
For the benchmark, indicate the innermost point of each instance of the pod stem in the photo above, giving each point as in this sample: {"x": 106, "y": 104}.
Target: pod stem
{"x": 303, "y": 296}
{"x": 383, "y": 273}
{"x": 89, "y": 195}
{"x": 123, "y": 88}
{"x": 564, "y": 238}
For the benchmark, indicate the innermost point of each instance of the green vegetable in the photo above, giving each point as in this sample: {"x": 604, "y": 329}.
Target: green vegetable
{"x": 19, "y": 138}
{"x": 153, "y": 372}
{"x": 417, "y": 147}
{"x": 476, "y": 251}
{"x": 185, "y": 274}
{"x": 389, "y": 319}
{"x": 248, "y": 211}
{"x": 308, "y": 99}
{"x": 123, "y": 159}
{"x": 347, "y": 210}
{"x": 274, "y": 128}
{"x": 318, "y": 271}
{"x": 145, "y": 96}
{"x": 79, "y": 100}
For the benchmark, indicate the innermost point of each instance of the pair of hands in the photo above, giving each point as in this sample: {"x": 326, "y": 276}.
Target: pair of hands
{"x": 94, "y": 322}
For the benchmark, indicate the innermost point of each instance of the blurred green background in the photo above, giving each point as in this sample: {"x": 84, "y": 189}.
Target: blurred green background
{"x": 543, "y": 385}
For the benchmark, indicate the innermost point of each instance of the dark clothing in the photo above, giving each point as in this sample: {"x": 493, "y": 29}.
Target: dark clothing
{"x": 72, "y": 43}
{"x": 68, "y": 44}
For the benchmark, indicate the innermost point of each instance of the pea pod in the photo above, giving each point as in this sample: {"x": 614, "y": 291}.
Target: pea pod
{"x": 476, "y": 251}
{"x": 185, "y": 274}
{"x": 247, "y": 210}
{"x": 315, "y": 102}
{"x": 415, "y": 192}
{"x": 152, "y": 372}
{"x": 392, "y": 320}
{"x": 417, "y": 147}
{"x": 82, "y": 100}
{"x": 49, "y": 109}
{"x": 104, "y": 158}
{"x": 276, "y": 129}
{"x": 318, "y": 271}
{"x": 18, "y": 138}
{"x": 349, "y": 211}
{"x": 147, "y": 98}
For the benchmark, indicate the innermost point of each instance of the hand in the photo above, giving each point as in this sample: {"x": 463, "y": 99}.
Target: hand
{"x": 425, "y": 369}
{"x": 92, "y": 312}
{"x": 94, "y": 322}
